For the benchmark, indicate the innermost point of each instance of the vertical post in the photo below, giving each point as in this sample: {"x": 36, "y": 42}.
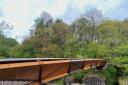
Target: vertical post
{"x": 40, "y": 69}
{"x": 40, "y": 73}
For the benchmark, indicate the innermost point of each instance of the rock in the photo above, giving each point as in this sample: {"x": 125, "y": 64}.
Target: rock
{"x": 93, "y": 80}
{"x": 76, "y": 84}
{"x": 69, "y": 80}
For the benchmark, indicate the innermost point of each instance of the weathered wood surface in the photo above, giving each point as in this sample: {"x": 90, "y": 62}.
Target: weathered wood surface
{"x": 45, "y": 70}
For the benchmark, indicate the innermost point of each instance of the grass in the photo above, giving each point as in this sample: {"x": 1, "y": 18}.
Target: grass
{"x": 119, "y": 59}
{"x": 123, "y": 80}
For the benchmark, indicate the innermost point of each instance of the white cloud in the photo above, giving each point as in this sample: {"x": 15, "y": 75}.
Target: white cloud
{"x": 21, "y": 13}
{"x": 107, "y": 5}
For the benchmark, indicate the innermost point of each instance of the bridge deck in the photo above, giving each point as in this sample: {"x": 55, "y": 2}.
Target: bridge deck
{"x": 43, "y": 70}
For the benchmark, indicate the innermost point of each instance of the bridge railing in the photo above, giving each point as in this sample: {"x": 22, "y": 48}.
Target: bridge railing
{"x": 44, "y": 70}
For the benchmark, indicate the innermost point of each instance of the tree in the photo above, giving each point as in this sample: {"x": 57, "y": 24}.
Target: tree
{"x": 109, "y": 33}
{"x": 121, "y": 50}
{"x": 45, "y": 19}
{"x": 47, "y": 41}
{"x": 60, "y": 34}
{"x": 6, "y": 43}
{"x": 4, "y": 26}
{"x": 39, "y": 38}
{"x": 80, "y": 27}
{"x": 95, "y": 17}
{"x": 98, "y": 51}
{"x": 89, "y": 35}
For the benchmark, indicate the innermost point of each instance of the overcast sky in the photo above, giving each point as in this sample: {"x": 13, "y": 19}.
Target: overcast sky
{"x": 22, "y": 13}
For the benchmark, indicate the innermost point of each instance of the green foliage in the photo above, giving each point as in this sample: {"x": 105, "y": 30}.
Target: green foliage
{"x": 125, "y": 70}
{"x": 19, "y": 51}
{"x": 79, "y": 75}
{"x": 90, "y": 36}
{"x": 120, "y": 59}
{"x": 109, "y": 33}
{"x": 109, "y": 74}
{"x": 5, "y": 43}
{"x": 4, "y": 51}
{"x": 98, "y": 51}
{"x": 58, "y": 82}
{"x": 121, "y": 50}
{"x": 123, "y": 80}
{"x": 121, "y": 62}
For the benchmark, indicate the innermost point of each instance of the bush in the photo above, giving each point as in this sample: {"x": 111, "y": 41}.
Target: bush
{"x": 121, "y": 50}
{"x": 110, "y": 74}
{"x": 98, "y": 51}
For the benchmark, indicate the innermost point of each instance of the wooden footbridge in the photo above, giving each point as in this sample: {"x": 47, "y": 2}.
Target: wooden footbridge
{"x": 36, "y": 71}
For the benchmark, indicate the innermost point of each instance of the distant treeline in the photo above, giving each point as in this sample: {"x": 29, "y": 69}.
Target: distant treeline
{"x": 90, "y": 35}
